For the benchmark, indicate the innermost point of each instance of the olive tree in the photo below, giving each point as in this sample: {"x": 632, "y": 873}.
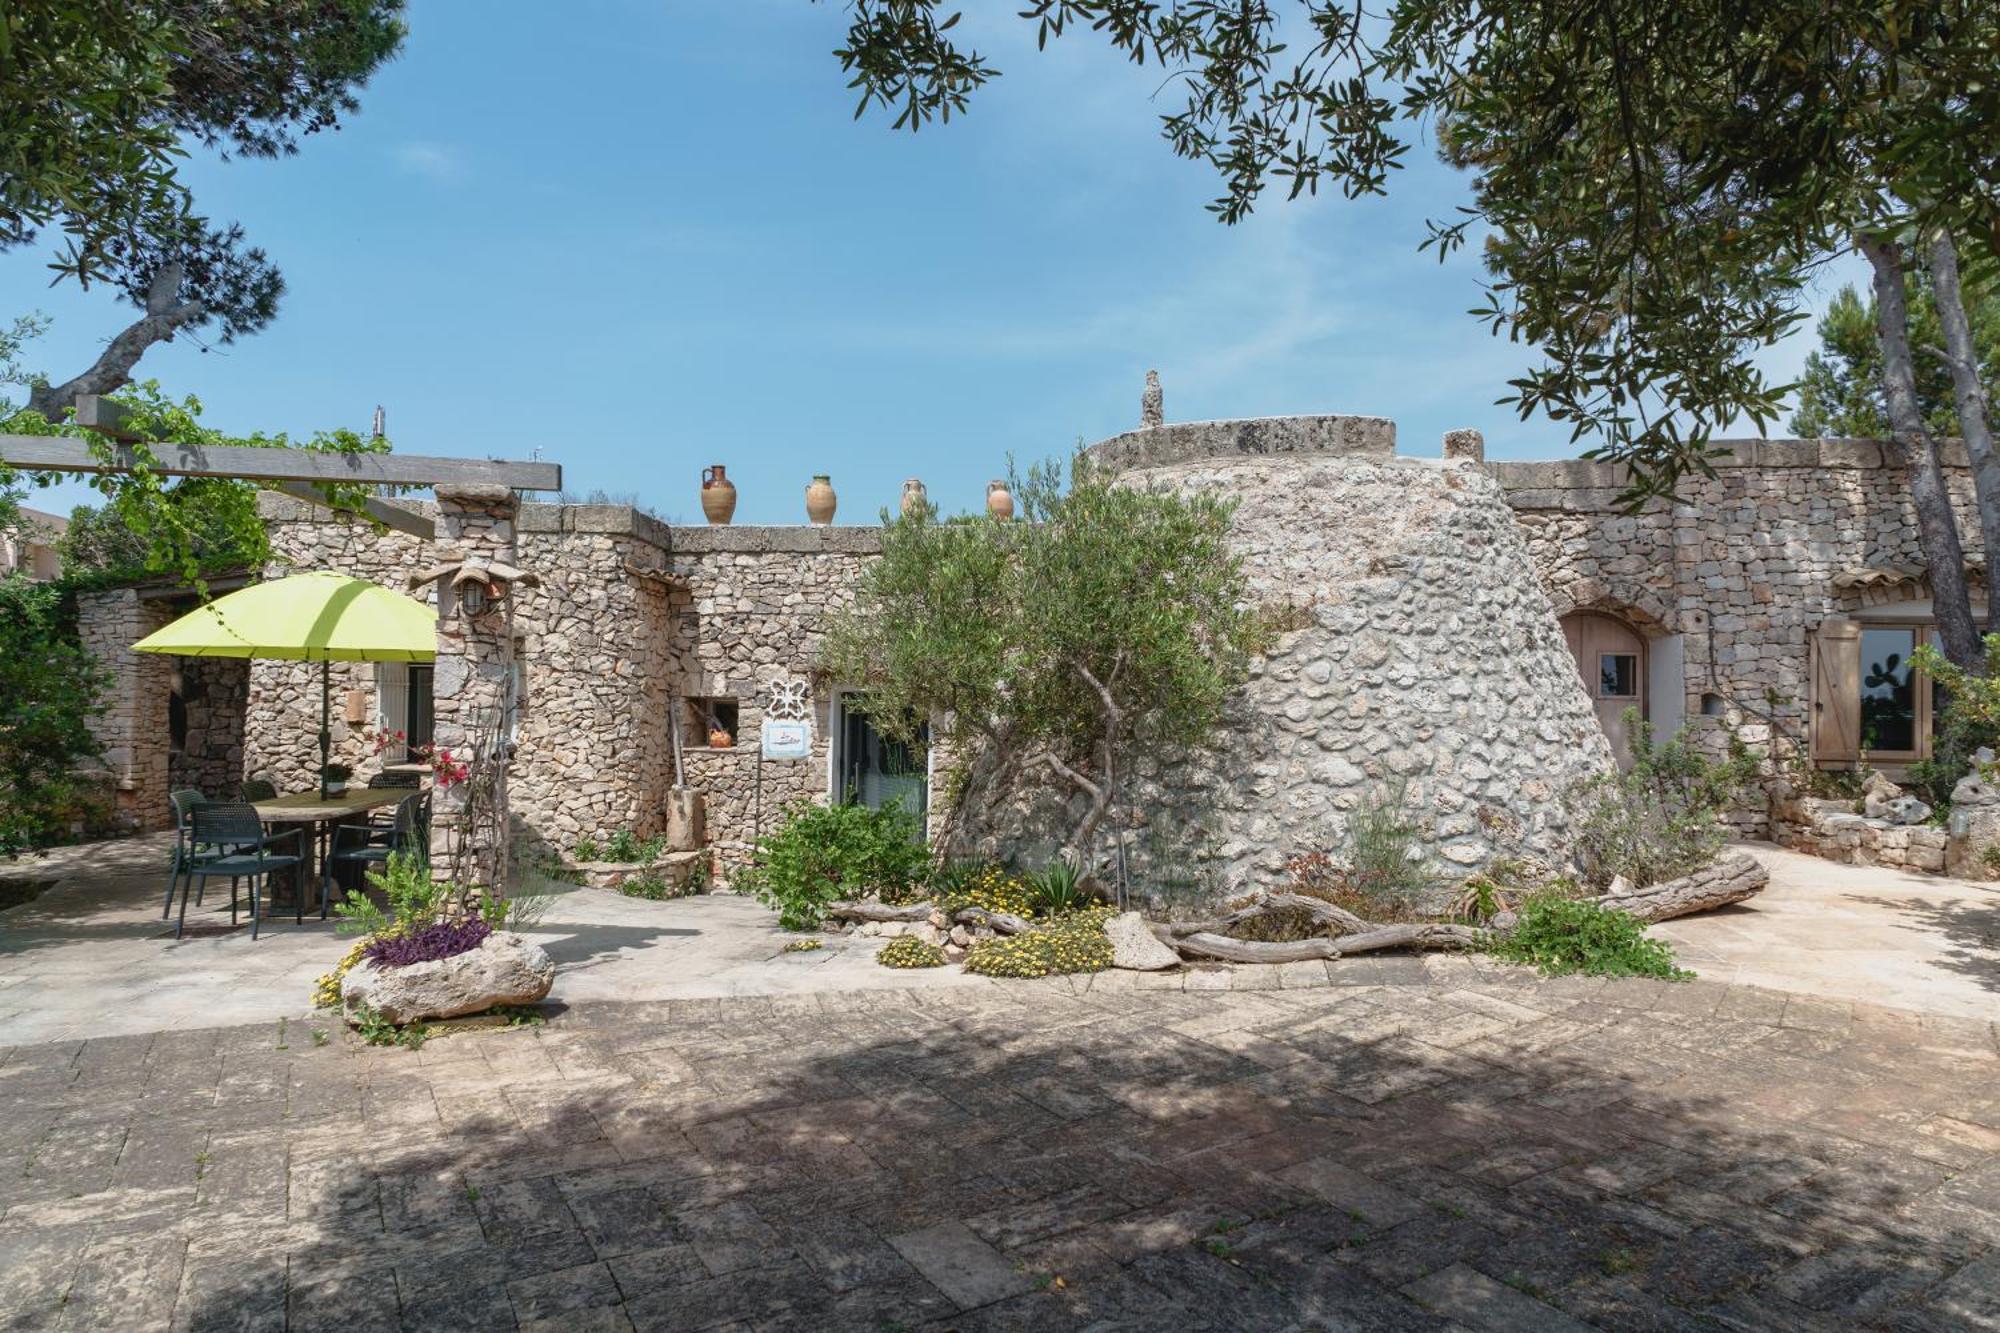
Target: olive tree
{"x": 1109, "y": 621}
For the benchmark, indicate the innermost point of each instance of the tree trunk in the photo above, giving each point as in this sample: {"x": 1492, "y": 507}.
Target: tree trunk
{"x": 1730, "y": 880}
{"x": 165, "y": 315}
{"x": 1937, "y": 526}
{"x": 1969, "y": 396}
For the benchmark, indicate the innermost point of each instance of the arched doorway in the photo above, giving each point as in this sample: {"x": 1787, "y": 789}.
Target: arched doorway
{"x": 1611, "y": 657}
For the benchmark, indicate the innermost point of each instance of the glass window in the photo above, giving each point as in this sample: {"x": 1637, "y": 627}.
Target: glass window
{"x": 1888, "y": 692}
{"x": 1617, "y": 675}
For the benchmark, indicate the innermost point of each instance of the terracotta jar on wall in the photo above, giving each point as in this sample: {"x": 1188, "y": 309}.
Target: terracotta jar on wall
{"x": 718, "y": 495}
{"x": 914, "y": 497}
{"x": 820, "y": 500}
{"x": 999, "y": 500}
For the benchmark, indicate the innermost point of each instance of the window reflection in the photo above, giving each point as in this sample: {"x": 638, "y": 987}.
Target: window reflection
{"x": 1888, "y": 695}
{"x": 1617, "y": 675}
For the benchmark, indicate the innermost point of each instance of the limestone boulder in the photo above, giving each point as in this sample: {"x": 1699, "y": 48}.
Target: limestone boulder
{"x": 504, "y": 969}
{"x": 1883, "y": 799}
{"x": 1134, "y": 946}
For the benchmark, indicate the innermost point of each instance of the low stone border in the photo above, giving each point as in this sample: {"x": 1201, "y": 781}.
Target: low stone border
{"x": 676, "y": 868}
{"x": 1832, "y": 830}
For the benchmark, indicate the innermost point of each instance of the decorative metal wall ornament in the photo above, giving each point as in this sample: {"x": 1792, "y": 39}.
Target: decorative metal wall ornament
{"x": 790, "y": 700}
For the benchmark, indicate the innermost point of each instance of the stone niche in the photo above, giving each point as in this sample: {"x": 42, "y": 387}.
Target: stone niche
{"x": 1418, "y": 649}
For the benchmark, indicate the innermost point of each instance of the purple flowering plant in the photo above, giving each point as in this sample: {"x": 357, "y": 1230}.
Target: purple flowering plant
{"x": 426, "y": 944}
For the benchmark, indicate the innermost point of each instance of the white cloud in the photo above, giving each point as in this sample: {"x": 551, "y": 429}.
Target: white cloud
{"x": 437, "y": 162}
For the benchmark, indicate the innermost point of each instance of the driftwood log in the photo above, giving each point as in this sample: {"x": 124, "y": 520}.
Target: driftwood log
{"x": 846, "y": 911}
{"x": 1730, "y": 880}
{"x": 1417, "y": 935}
{"x": 999, "y": 922}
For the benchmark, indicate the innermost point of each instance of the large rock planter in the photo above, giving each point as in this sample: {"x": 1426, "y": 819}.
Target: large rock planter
{"x": 504, "y": 969}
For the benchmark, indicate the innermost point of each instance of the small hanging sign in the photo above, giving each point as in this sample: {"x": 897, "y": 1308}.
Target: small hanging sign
{"x": 787, "y": 731}
{"x": 785, "y": 738}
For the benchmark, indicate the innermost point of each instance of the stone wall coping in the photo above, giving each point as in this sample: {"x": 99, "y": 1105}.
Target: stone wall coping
{"x": 1535, "y": 484}
{"x": 781, "y": 539}
{"x": 1247, "y": 437}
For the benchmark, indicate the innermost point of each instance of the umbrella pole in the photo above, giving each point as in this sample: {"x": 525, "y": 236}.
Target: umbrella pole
{"x": 325, "y": 728}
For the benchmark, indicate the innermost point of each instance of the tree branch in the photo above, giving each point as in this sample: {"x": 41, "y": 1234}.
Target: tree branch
{"x": 165, "y": 315}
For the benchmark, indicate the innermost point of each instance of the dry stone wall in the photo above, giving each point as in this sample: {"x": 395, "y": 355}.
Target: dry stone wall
{"x": 281, "y": 717}
{"x": 592, "y": 750}
{"x": 214, "y": 691}
{"x": 135, "y": 726}
{"x": 1424, "y": 658}
{"x": 753, "y": 611}
{"x": 1744, "y": 572}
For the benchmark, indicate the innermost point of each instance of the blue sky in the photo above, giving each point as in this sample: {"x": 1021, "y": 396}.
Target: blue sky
{"x": 647, "y": 236}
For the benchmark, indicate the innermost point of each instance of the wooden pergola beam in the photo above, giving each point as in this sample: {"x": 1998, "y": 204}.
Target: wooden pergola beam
{"x": 387, "y": 513}
{"x": 267, "y": 467}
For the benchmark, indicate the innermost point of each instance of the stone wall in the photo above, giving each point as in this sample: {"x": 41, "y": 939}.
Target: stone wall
{"x": 1424, "y": 658}
{"x": 631, "y": 617}
{"x": 281, "y": 717}
{"x": 1743, "y": 573}
{"x": 214, "y": 692}
{"x": 592, "y": 751}
{"x": 135, "y": 727}
{"x": 1834, "y": 830}
{"x": 752, "y": 612}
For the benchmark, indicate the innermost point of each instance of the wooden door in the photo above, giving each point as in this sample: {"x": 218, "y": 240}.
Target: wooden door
{"x": 1611, "y": 657}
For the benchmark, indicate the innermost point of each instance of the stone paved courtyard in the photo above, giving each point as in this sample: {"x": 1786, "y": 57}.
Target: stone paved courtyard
{"x": 1443, "y": 1147}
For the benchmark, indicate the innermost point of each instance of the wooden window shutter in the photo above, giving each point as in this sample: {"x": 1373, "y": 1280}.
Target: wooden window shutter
{"x": 392, "y": 696}
{"x": 1836, "y": 692}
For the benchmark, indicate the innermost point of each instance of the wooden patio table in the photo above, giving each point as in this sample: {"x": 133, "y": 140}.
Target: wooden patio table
{"x": 318, "y": 812}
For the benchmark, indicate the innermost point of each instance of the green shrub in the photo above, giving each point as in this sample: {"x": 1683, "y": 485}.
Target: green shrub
{"x": 1662, "y": 818}
{"x": 1559, "y": 934}
{"x": 821, "y": 854}
{"x": 50, "y": 690}
{"x": 990, "y": 887}
{"x": 909, "y": 951}
{"x": 1381, "y": 858}
{"x": 1058, "y": 890}
{"x": 1075, "y": 943}
{"x": 586, "y": 848}
{"x": 414, "y": 898}
{"x": 653, "y": 888}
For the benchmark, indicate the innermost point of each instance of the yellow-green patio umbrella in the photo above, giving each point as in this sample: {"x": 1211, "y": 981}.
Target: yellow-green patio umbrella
{"x": 319, "y": 617}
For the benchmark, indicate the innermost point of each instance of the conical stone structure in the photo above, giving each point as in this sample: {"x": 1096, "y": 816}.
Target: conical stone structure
{"x": 1419, "y": 652}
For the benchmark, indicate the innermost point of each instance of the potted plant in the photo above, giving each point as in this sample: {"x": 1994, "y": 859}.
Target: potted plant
{"x": 333, "y": 778}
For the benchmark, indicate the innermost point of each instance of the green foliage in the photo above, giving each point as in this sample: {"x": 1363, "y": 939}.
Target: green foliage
{"x": 1381, "y": 858}
{"x": 1971, "y": 719}
{"x": 376, "y": 1030}
{"x": 50, "y": 689}
{"x": 414, "y": 898}
{"x": 586, "y": 848}
{"x": 156, "y": 525}
{"x": 1109, "y": 618}
{"x": 1559, "y": 934}
{"x": 1057, "y": 890}
{"x": 981, "y": 884}
{"x": 1841, "y": 392}
{"x": 820, "y": 854}
{"x": 909, "y": 951}
{"x": 103, "y": 100}
{"x": 515, "y": 912}
{"x": 1653, "y": 186}
{"x": 1662, "y": 818}
{"x": 1479, "y": 898}
{"x": 623, "y": 846}
{"x": 652, "y": 887}
{"x": 1074, "y": 943}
